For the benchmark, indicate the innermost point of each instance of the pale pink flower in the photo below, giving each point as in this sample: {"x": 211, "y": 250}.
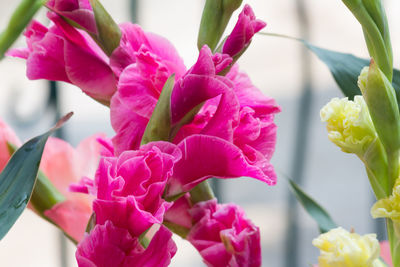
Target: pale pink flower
{"x": 6, "y": 135}
{"x": 65, "y": 165}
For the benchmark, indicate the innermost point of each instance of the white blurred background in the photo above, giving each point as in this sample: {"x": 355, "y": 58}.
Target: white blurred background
{"x": 335, "y": 179}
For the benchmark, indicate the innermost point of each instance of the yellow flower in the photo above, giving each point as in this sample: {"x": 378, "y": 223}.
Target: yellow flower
{"x": 388, "y": 207}
{"x": 339, "y": 248}
{"x": 349, "y": 124}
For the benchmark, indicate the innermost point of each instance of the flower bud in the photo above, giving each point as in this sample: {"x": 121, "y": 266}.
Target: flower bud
{"x": 339, "y": 248}
{"x": 349, "y": 124}
{"x": 216, "y": 15}
{"x": 381, "y": 100}
{"x": 372, "y": 17}
{"x": 77, "y": 12}
{"x": 241, "y": 35}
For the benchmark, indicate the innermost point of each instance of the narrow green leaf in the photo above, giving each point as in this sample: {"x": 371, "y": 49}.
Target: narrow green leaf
{"x": 18, "y": 178}
{"x": 159, "y": 126}
{"x": 345, "y": 68}
{"x": 19, "y": 19}
{"x": 319, "y": 214}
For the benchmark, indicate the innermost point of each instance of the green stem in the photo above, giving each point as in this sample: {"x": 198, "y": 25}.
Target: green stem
{"x": 393, "y": 162}
{"x": 201, "y": 192}
{"x": 393, "y": 234}
{"x": 376, "y": 44}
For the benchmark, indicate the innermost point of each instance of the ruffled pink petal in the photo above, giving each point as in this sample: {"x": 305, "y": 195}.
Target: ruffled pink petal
{"x": 72, "y": 216}
{"x": 178, "y": 213}
{"x": 133, "y": 38}
{"x": 108, "y": 245}
{"x": 159, "y": 252}
{"x": 199, "y": 84}
{"x": 249, "y": 95}
{"x": 224, "y": 236}
{"x": 214, "y": 157}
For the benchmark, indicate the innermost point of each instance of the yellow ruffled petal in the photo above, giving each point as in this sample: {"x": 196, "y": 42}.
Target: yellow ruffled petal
{"x": 339, "y": 248}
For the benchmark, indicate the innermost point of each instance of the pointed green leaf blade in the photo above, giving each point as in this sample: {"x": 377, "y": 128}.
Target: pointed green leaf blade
{"x": 319, "y": 214}
{"x": 18, "y": 178}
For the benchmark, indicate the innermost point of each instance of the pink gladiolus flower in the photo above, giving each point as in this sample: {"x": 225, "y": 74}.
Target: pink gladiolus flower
{"x": 224, "y": 236}
{"x": 6, "y": 135}
{"x": 245, "y": 28}
{"x": 143, "y": 62}
{"x": 62, "y": 53}
{"x": 64, "y": 165}
{"x": 233, "y": 135}
{"x": 79, "y": 11}
{"x": 129, "y": 188}
{"x": 159, "y": 51}
{"x": 108, "y": 245}
{"x": 236, "y": 120}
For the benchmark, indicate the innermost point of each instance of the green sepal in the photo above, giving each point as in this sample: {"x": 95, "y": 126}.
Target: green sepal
{"x": 381, "y": 100}
{"x": 18, "y": 178}
{"x": 159, "y": 125}
{"x": 109, "y": 33}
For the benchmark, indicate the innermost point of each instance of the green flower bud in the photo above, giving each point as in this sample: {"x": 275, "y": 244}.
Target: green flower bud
{"x": 381, "y": 100}
{"x": 216, "y": 15}
{"x": 372, "y": 17}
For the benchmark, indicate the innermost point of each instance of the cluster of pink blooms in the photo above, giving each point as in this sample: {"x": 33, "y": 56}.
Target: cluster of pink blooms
{"x": 232, "y": 135}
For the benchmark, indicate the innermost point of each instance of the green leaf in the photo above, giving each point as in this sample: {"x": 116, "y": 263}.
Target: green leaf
{"x": 319, "y": 214}
{"x": 159, "y": 126}
{"x": 18, "y": 178}
{"x": 19, "y": 19}
{"x": 45, "y": 195}
{"x": 345, "y": 68}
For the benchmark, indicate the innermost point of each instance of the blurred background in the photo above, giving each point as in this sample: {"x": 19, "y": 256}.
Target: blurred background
{"x": 281, "y": 68}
